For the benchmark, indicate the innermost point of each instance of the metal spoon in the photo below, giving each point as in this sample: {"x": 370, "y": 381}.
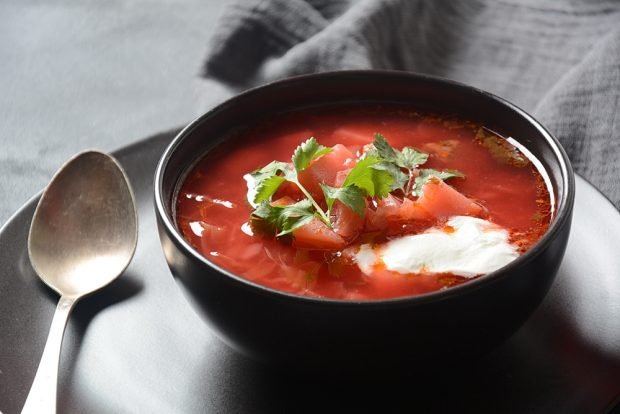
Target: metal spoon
{"x": 82, "y": 237}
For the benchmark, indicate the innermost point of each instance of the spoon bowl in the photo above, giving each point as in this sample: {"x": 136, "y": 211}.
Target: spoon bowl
{"x": 84, "y": 230}
{"x": 83, "y": 235}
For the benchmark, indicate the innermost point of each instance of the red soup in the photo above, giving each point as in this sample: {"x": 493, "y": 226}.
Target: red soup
{"x": 364, "y": 202}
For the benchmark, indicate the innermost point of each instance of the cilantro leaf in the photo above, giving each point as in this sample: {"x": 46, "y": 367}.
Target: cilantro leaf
{"x": 410, "y": 158}
{"x": 269, "y": 170}
{"x": 399, "y": 177}
{"x": 373, "y": 181}
{"x": 427, "y": 173}
{"x": 264, "y": 219}
{"x": 267, "y": 187}
{"x": 306, "y": 152}
{"x": 442, "y": 175}
{"x": 265, "y": 181}
{"x": 351, "y": 196}
{"x": 292, "y": 218}
{"x": 281, "y": 220}
{"x": 384, "y": 149}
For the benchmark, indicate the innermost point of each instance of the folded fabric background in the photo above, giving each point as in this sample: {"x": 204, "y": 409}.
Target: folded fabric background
{"x": 558, "y": 60}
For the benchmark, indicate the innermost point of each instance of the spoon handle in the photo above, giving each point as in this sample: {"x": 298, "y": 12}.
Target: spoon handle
{"x": 42, "y": 395}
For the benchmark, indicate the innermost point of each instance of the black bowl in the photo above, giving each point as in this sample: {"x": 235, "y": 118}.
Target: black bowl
{"x": 364, "y": 337}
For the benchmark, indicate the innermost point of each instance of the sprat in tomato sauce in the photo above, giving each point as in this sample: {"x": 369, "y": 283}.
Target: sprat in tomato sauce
{"x": 418, "y": 238}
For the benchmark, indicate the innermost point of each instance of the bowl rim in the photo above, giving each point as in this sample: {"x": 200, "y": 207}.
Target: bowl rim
{"x": 564, "y": 205}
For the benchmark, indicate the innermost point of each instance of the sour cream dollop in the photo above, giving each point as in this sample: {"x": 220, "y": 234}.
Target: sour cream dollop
{"x": 466, "y": 246}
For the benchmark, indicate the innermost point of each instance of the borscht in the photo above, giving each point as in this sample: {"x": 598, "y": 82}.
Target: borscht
{"x": 364, "y": 202}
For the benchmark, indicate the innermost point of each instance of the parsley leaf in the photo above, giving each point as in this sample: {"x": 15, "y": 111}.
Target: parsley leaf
{"x": 306, "y": 152}
{"x": 426, "y": 174}
{"x": 351, "y": 196}
{"x": 374, "y": 181}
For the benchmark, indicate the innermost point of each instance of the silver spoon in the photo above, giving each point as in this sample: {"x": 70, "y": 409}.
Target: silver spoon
{"x": 82, "y": 237}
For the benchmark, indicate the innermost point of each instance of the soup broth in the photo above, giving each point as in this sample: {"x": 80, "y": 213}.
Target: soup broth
{"x": 406, "y": 228}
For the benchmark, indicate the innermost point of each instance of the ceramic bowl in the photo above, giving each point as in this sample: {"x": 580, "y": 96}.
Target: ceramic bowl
{"x": 381, "y": 337}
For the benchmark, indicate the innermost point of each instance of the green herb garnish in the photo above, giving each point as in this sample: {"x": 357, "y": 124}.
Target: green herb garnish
{"x": 350, "y": 195}
{"x": 281, "y": 220}
{"x": 267, "y": 181}
{"x": 373, "y": 181}
{"x": 426, "y": 174}
{"x": 408, "y": 159}
{"x": 381, "y": 171}
{"x": 306, "y": 152}
{"x": 269, "y": 178}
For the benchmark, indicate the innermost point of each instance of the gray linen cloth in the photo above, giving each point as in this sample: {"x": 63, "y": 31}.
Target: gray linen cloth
{"x": 557, "y": 59}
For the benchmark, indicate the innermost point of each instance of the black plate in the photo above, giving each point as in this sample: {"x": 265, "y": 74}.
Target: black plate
{"x": 137, "y": 346}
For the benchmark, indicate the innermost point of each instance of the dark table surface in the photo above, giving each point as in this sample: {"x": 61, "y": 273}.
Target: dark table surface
{"x": 92, "y": 74}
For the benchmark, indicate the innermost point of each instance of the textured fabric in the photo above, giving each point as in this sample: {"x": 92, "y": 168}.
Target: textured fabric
{"x": 558, "y": 60}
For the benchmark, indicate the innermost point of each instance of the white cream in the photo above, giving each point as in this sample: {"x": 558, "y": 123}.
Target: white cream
{"x": 251, "y": 183}
{"x": 474, "y": 247}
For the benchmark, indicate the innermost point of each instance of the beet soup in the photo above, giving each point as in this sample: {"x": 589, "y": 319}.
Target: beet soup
{"x": 363, "y": 202}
